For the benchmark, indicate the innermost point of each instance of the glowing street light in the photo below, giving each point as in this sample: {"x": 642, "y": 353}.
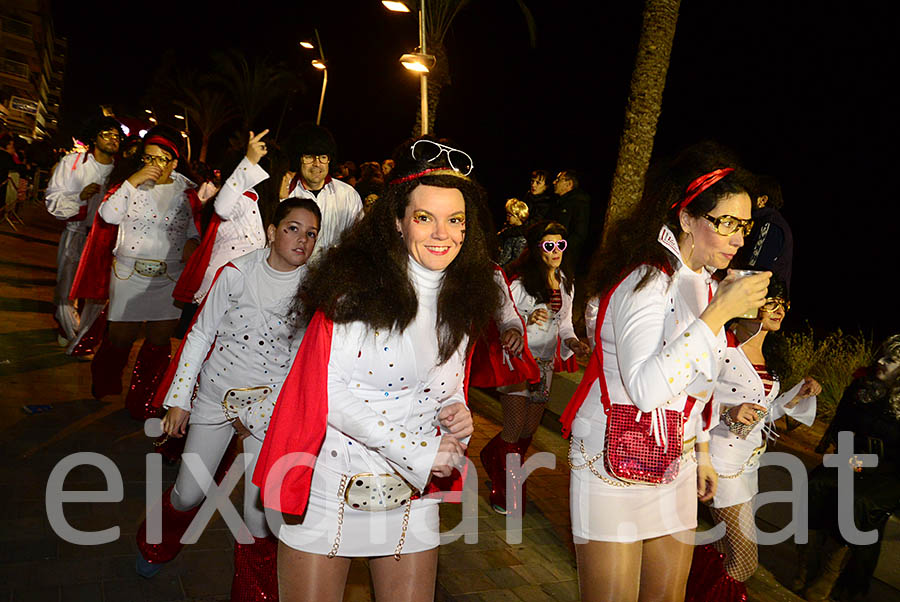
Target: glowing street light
{"x": 321, "y": 65}
{"x": 181, "y": 117}
{"x": 418, "y": 62}
{"x": 397, "y": 7}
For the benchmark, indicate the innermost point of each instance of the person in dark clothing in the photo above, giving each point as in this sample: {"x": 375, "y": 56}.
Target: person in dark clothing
{"x": 770, "y": 245}
{"x": 512, "y": 236}
{"x": 870, "y": 409}
{"x": 573, "y": 210}
{"x": 8, "y": 161}
{"x": 539, "y": 197}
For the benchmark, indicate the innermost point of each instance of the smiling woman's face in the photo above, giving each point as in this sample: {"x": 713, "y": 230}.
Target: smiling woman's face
{"x": 434, "y": 225}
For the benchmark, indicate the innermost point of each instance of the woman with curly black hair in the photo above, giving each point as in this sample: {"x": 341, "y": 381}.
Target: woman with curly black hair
{"x": 748, "y": 395}
{"x": 375, "y": 397}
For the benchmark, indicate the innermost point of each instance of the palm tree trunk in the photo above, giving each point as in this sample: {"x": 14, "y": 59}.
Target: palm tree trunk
{"x": 643, "y": 108}
{"x": 204, "y": 148}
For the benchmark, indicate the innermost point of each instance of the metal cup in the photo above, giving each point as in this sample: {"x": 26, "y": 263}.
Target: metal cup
{"x": 753, "y": 313}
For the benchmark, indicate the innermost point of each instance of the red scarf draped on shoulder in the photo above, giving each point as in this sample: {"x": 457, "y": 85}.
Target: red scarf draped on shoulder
{"x": 285, "y": 466}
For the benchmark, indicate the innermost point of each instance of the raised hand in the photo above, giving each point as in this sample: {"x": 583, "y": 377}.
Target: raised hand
{"x": 256, "y": 148}
{"x": 148, "y": 173}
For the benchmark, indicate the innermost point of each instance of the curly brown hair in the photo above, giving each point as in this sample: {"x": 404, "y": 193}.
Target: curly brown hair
{"x": 364, "y": 278}
{"x": 633, "y": 240}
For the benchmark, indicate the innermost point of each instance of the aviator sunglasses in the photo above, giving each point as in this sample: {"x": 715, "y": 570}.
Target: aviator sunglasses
{"x": 549, "y": 245}
{"x": 428, "y": 151}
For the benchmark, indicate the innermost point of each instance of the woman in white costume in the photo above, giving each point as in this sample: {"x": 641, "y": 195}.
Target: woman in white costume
{"x": 237, "y": 354}
{"x": 154, "y": 210}
{"x": 750, "y": 400}
{"x": 542, "y": 293}
{"x": 659, "y": 341}
{"x": 378, "y": 385}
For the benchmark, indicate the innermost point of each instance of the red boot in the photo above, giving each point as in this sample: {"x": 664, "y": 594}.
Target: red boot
{"x": 490, "y": 457}
{"x": 498, "y": 482}
{"x": 174, "y": 524}
{"x": 709, "y": 581}
{"x": 255, "y": 571}
{"x": 151, "y": 364}
{"x": 522, "y": 446}
{"x": 106, "y": 369}
{"x": 89, "y": 340}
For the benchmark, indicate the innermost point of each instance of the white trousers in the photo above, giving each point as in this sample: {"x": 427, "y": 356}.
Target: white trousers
{"x": 209, "y": 442}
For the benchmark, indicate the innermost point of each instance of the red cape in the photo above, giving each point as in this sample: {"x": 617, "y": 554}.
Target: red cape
{"x": 297, "y": 427}
{"x": 487, "y": 366}
{"x": 92, "y": 277}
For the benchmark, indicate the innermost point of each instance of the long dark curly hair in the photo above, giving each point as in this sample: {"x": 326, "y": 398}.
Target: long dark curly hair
{"x": 633, "y": 240}
{"x": 364, "y": 278}
{"x": 532, "y": 269}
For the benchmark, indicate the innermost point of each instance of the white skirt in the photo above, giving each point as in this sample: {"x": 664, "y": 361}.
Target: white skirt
{"x": 367, "y": 534}
{"x": 137, "y": 298}
{"x": 602, "y": 512}
{"x": 736, "y": 490}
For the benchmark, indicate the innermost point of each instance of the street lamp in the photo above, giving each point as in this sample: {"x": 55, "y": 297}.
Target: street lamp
{"x": 321, "y": 65}
{"x": 186, "y": 133}
{"x": 419, "y": 62}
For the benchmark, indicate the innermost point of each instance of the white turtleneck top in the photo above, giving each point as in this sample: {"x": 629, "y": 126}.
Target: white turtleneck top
{"x": 385, "y": 391}
{"x": 244, "y": 321}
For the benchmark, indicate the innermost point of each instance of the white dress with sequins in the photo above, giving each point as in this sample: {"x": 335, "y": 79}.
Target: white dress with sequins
{"x": 245, "y": 315}
{"x": 385, "y": 391}
{"x": 656, "y": 352}
{"x": 153, "y": 224}
{"x": 734, "y": 457}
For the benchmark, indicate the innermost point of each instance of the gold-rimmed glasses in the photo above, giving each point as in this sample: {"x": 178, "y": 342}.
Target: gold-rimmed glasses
{"x": 726, "y": 225}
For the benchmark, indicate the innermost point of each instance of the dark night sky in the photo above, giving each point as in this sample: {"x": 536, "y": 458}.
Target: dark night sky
{"x": 803, "y": 90}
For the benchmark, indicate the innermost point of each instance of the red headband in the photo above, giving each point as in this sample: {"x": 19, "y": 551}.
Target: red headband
{"x": 446, "y": 172}
{"x": 163, "y": 142}
{"x": 702, "y": 183}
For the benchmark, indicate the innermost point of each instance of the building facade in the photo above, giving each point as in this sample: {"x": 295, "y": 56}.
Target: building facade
{"x": 32, "y": 65}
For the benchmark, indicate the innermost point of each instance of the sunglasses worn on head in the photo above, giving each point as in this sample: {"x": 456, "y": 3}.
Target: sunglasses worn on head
{"x": 428, "y": 151}
{"x": 549, "y": 245}
{"x": 726, "y": 225}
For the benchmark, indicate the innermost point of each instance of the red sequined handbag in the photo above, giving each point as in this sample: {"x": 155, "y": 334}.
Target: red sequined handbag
{"x": 631, "y": 453}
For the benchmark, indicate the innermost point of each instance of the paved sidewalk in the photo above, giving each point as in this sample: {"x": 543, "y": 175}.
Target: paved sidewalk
{"x": 37, "y": 564}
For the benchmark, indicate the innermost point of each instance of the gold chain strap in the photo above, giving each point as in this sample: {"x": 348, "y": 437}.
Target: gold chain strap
{"x": 337, "y": 538}
{"x": 590, "y": 464}
{"x": 745, "y": 465}
{"x": 403, "y": 531}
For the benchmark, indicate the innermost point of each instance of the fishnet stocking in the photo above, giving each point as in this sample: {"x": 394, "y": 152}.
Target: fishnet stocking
{"x": 514, "y": 413}
{"x": 739, "y": 543}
